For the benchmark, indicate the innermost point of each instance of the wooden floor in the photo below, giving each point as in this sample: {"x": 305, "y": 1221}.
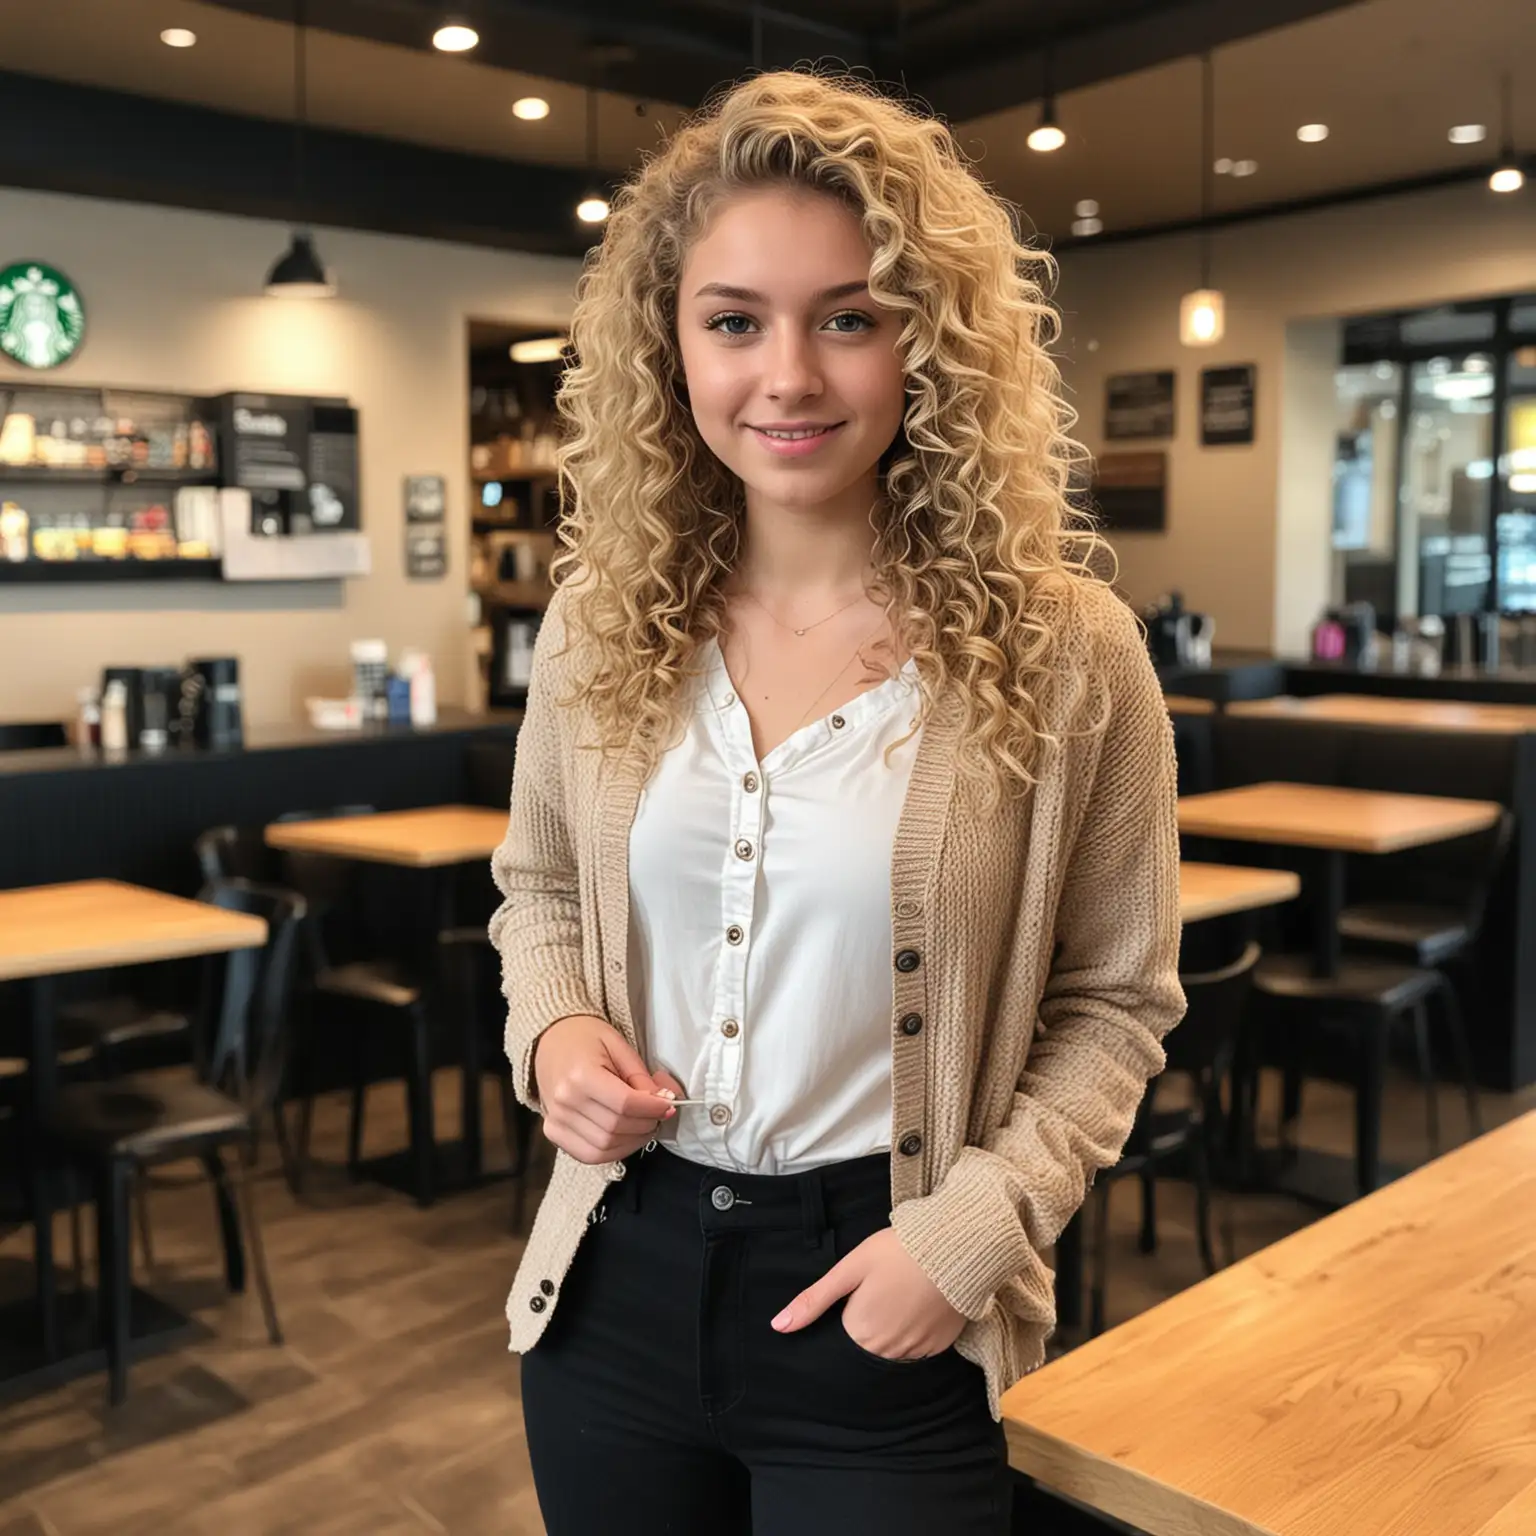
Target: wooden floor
{"x": 393, "y": 1406}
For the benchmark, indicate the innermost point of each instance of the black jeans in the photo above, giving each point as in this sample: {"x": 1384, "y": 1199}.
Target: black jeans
{"x": 660, "y": 1400}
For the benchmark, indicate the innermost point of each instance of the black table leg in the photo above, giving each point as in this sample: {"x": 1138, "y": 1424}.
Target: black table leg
{"x": 469, "y": 1083}
{"x": 1069, "y": 1274}
{"x": 44, "y": 1072}
{"x": 1327, "y": 892}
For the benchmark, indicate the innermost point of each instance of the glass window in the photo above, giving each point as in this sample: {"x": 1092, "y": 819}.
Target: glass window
{"x": 1517, "y": 520}
{"x": 1365, "y": 481}
{"x": 1437, "y": 327}
{"x": 1447, "y": 484}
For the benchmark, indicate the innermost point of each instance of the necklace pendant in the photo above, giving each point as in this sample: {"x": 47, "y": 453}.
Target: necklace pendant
{"x": 799, "y": 631}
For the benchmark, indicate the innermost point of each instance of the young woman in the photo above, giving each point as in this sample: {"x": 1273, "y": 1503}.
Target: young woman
{"x": 844, "y": 813}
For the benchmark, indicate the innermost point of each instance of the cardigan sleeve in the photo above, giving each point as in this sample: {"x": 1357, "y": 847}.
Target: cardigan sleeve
{"x": 1112, "y": 994}
{"x": 537, "y": 927}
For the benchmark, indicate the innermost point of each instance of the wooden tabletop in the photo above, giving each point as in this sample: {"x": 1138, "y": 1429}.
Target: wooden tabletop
{"x": 426, "y": 839}
{"x": 1327, "y": 816}
{"x": 1187, "y": 704}
{"x": 46, "y": 930}
{"x": 1370, "y": 1375}
{"x": 1214, "y": 890}
{"x": 1415, "y": 714}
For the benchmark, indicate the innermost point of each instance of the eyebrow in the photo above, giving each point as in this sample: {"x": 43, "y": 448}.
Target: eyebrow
{"x": 752, "y": 296}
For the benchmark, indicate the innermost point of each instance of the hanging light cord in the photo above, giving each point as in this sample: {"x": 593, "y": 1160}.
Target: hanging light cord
{"x": 1208, "y": 164}
{"x": 300, "y": 99}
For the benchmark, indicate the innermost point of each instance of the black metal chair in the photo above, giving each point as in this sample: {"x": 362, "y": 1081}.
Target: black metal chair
{"x": 1201, "y": 1048}
{"x": 1433, "y": 919}
{"x": 116, "y": 1129}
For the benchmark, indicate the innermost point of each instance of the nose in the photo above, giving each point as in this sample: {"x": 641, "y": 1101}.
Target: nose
{"x": 793, "y": 370}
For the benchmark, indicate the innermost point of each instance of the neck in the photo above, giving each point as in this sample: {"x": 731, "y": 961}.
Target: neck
{"x": 792, "y": 551}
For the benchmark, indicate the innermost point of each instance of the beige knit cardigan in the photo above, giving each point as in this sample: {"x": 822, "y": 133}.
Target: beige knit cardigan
{"x": 1037, "y": 944}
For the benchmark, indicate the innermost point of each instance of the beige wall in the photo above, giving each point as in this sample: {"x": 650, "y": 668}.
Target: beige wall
{"x": 1243, "y": 522}
{"x": 174, "y": 302}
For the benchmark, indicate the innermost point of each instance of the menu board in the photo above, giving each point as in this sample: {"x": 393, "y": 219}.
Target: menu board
{"x": 1130, "y": 491}
{"x": 266, "y": 442}
{"x": 1226, "y": 405}
{"x": 1138, "y": 405}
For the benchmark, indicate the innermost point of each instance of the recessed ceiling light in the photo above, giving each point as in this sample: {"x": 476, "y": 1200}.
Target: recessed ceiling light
{"x": 1312, "y": 133}
{"x": 178, "y": 37}
{"x": 455, "y": 38}
{"x": 1087, "y": 226}
{"x": 1223, "y": 167}
{"x": 1244, "y": 167}
{"x": 1508, "y": 178}
{"x": 530, "y": 108}
{"x": 1467, "y": 133}
{"x": 1087, "y": 209}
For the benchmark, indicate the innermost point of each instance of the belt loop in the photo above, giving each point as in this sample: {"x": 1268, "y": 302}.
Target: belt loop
{"x": 813, "y": 1207}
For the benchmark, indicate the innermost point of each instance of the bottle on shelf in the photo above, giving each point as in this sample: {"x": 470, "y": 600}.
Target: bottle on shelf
{"x": 114, "y": 717}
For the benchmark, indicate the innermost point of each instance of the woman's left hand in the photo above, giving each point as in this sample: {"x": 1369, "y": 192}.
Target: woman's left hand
{"x": 893, "y": 1308}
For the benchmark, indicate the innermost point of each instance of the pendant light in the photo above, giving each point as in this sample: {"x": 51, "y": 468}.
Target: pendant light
{"x": 593, "y": 207}
{"x": 299, "y": 273}
{"x": 1048, "y": 135}
{"x": 1508, "y": 175}
{"x": 1202, "y": 314}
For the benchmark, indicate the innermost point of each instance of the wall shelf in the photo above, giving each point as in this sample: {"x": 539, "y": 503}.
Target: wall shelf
{"x": 34, "y": 572}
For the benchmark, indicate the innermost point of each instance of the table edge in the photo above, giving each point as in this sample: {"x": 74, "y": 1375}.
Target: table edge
{"x": 1115, "y": 1489}
{"x": 191, "y": 947}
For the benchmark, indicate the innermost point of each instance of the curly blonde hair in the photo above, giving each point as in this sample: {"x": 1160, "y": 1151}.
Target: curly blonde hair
{"x": 981, "y": 559}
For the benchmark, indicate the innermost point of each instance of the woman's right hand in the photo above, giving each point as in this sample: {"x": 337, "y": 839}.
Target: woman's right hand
{"x": 600, "y": 1102}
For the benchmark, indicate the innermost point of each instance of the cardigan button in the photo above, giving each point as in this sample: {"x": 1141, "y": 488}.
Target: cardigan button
{"x": 908, "y": 960}
{"x": 743, "y": 849}
{"x": 907, "y": 908}
{"x": 911, "y": 1145}
{"x": 749, "y": 783}
{"x": 536, "y": 1303}
{"x": 734, "y": 934}
{"x": 912, "y": 1024}
{"x": 547, "y": 1286}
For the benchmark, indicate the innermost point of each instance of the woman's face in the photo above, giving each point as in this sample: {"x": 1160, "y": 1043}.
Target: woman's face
{"x": 794, "y": 375}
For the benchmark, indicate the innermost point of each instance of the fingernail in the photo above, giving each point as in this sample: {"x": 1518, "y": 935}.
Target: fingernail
{"x": 669, "y": 1114}
{"x": 781, "y": 1322}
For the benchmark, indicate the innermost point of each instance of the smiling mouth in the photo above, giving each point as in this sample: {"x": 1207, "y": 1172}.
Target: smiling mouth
{"x": 797, "y": 434}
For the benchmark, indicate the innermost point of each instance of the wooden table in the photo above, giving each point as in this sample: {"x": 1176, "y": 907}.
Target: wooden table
{"x": 1331, "y": 821}
{"x": 1187, "y": 704}
{"x": 435, "y": 838}
{"x": 1412, "y": 714}
{"x": 50, "y": 930}
{"x": 1370, "y": 1375}
{"x": 1218, "y": 890}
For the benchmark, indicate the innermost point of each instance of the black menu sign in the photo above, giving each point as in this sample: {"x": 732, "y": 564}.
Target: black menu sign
{"x": 1138, "y": 405}
{"x": 1226, "y": 405}
{"x": 266, "y": 441}
{"x": 1130, "y": 491}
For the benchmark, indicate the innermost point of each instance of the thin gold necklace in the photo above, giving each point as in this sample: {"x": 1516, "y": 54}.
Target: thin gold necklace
{"x": 820, "y": 696}
{"x": 863, "y": 595}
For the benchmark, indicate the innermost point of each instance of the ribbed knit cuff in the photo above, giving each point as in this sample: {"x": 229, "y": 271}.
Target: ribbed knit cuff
{"x": 557, "y": 998}
{"x": 966, "y": 1236}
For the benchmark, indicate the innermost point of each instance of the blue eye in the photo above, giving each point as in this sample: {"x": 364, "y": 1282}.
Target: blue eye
{"x": 858, "y": 323}
{"x": 731, "y": 323}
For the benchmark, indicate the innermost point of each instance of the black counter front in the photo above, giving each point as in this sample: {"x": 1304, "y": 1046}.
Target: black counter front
{"x": 72, "y": 815}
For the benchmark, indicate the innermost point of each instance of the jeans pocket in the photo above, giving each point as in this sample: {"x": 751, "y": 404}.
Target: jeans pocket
{"x": 910, "y": 1364}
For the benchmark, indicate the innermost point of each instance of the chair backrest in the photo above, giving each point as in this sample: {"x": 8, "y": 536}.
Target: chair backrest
{"x": 249, "y": 992}
{"x": 1214, "y": 1015}
{"x": 320, "y": 879}
{"x": 235, "y": 853}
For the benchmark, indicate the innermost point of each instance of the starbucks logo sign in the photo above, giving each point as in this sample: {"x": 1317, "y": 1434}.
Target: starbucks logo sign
{"x": 42, "y": 319}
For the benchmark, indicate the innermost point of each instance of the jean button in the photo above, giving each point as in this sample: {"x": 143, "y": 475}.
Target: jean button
{"x": 722, "y": 1198}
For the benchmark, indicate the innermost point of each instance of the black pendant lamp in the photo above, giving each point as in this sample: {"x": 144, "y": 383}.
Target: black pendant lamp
{"x": 299, "y": 273}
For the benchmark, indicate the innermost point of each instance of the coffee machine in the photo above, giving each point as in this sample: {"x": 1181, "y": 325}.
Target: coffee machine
{"x": 209, "y": 704}
{"x": 151, "y": 703}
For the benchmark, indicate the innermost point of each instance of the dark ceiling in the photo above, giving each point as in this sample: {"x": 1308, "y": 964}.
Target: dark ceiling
{"x": 964, "y": 57}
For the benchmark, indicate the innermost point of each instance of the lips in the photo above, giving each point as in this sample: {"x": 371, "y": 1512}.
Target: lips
{"x": 795, "y": 442}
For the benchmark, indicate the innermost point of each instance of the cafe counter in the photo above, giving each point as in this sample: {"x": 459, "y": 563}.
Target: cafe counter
{"x": 72, "y": 814}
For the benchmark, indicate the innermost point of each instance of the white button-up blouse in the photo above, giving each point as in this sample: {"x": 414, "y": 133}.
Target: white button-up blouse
{"x": 760, "y": 932}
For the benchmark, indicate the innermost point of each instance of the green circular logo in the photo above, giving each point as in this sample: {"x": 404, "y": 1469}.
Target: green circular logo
{"x": 42, "y": 318}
